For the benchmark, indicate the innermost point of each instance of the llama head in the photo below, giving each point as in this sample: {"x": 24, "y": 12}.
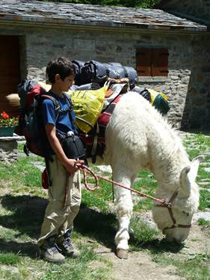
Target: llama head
{"x": 175, "y": 222}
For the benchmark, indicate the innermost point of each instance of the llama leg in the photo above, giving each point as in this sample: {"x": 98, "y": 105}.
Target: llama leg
{"x": 124, "y": 207}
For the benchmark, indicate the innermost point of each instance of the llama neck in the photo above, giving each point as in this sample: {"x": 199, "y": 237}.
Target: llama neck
{"x": 168, "y": 164}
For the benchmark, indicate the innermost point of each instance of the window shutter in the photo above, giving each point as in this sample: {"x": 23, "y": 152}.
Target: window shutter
{"x": 144, "y": 62}
{"x": 159, "y": 62}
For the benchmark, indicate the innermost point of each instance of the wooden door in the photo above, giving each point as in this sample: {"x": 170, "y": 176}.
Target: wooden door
{"x": 9, "y": 71}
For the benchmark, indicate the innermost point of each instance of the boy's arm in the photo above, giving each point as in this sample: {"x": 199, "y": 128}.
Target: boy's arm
{"x": 69, "y": 164}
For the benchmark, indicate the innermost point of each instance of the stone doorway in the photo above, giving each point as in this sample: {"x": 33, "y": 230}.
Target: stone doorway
{"x": 9, "y": 70}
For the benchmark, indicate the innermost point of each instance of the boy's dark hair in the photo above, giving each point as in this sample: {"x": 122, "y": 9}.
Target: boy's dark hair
{"x": 61, "y": 66}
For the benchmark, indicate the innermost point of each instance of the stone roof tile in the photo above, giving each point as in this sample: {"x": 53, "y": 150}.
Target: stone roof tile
{"x": 68, "y": 13}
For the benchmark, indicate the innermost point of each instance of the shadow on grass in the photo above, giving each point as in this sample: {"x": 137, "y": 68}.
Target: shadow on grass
{"x": 96, "y": 225}
{"x": 27, "y": 216}
{"x": 155, "y": 246}
{"x": 160, "y": 246}
{"x": 24, "y": 249}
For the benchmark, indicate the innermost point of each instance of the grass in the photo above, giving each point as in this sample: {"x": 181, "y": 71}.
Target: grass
{"x": 204, "y": 200}
{"x": 194, "y": 267}
{"x": 100, "y": 196}
{"x": 22, "y": 207}
{"x": 203, "y": 222}
{"x": 26, "y": 268}
{"x": 197, "y": 144}
{"x": 21, "y": 174}
{"x": 9, "y": 258}
{"x": 142, "y": 233}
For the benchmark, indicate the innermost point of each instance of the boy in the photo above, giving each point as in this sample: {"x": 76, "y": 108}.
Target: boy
{"x": 65, "y": 190}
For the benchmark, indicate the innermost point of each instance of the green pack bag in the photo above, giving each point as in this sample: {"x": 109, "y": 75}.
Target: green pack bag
{"x": 159, "y": 101}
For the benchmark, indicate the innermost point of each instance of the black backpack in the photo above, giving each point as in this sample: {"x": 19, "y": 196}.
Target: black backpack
{"x": 31, "y": 123}
{"x": 96, "y": 72}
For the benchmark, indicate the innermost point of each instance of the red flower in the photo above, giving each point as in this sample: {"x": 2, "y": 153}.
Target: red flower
{"x": 6, "y": 120}
{"x": 4, "y": 115}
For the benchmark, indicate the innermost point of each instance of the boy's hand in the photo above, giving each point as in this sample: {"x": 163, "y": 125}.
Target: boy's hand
{"x": 73, "y": 165}
{"x": 79, "y": 163}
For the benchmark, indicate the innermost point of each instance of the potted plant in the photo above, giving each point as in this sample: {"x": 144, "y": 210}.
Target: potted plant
{"x": 7, "y": 124}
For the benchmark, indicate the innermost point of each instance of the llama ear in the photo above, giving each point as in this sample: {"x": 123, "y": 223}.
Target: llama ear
{"x": 184, "y": 180}
{"x": 184, "y": 175}
{"x": 189, "y": 173}
{"x": 194, "y": 167}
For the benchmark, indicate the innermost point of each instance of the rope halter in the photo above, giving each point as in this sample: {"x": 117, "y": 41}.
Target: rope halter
{"x": 169, "y": 207}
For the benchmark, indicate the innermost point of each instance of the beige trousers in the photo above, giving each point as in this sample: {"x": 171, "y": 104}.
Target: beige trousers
{"x": 64, "y": 201}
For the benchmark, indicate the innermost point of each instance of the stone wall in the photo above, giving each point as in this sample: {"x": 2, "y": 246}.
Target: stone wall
{"x": 8, "y": 149}
{"x": 187, "y": 84}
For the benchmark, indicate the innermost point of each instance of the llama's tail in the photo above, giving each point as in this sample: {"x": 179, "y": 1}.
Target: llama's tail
{"x": 14, "y": 99}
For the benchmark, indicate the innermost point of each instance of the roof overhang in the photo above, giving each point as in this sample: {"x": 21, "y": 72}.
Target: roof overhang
{"x": 51, "y": 14}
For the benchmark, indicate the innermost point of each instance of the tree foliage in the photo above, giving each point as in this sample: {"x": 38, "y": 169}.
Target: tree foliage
{"x": 124, "y": 3}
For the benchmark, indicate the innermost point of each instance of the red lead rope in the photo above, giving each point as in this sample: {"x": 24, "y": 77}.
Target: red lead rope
{"x": 86, "y": 170}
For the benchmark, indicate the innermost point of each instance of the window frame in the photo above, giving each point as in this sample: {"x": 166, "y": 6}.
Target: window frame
{"x": 152, "y": 62}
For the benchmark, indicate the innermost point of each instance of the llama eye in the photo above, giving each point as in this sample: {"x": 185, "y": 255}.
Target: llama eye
{"x": 187, "y": 214}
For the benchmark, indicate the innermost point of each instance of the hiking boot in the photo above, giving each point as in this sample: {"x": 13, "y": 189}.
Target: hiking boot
{"x": 66, "y": 246}
{"x": 49, "y": 251}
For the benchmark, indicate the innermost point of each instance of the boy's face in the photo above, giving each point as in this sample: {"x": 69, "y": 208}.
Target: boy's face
{"x": 66, "y": 83}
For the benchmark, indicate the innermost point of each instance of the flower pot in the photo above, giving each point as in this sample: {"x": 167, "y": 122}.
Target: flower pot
{"x": 6, "y": 131}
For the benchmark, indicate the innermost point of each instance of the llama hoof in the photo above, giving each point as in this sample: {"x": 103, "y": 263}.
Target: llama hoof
{"x": 122, "y": 254}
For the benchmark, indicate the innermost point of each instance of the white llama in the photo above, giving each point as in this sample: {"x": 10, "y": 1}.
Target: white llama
{"x": 137, "y": 137}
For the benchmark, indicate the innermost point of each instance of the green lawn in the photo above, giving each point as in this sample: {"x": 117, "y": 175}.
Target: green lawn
{"x": 23, "y": 202}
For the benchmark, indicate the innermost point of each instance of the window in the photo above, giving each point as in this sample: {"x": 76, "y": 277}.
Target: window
{"x": 152, "y": 62}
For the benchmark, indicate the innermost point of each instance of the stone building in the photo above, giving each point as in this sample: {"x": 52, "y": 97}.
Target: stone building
{"x": 169, "y": 49}
{"x": 196, "y": 109}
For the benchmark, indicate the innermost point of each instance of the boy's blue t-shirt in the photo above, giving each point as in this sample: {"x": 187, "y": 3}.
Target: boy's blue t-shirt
{"x": 63, "y": 123}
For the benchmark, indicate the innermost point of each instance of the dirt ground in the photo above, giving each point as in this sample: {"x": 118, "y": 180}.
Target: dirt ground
{"x": 140, "y": 266}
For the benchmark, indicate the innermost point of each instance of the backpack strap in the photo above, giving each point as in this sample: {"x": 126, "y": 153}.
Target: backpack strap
{"x": 68, "y": 99}
{"x": 70, "y": 104}
{"x": 56, "y": 104}
{"x": 57, "y": 107}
